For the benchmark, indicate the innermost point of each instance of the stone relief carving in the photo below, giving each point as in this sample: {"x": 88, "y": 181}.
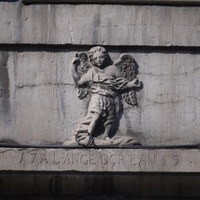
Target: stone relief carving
{"x": 106, "y": 85}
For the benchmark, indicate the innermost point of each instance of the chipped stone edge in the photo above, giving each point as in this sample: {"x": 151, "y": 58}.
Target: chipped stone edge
{"x": 161, "y": 2}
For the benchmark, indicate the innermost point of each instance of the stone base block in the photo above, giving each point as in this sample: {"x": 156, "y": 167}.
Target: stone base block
{"x": 99, "y": 174}
{"x": 100, "y": 160}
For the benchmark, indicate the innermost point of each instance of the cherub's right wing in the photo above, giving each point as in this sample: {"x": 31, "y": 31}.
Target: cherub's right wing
{"x": 83, "y": 68}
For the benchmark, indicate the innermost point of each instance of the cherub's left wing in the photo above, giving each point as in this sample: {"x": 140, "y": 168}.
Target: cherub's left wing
{"x": 127, "y": 66}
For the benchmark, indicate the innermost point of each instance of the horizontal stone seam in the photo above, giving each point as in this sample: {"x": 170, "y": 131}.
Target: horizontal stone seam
{"x": 137, "y": 2}
{"x": 23, "y": 47}
{"x": 170, "y": 102}
{"x": 44, "y": 84}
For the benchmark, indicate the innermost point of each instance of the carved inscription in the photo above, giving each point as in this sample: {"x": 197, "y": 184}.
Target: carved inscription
{"x": 100, "y": 160}
{"x": 70, "y": 159}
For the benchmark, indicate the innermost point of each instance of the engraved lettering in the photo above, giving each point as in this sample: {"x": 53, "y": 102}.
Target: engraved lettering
{"x": 44, "y": 159}
{"x": 152, "y": 160}
{"x": 92, "y": 160}
{"x": 22, "y": 158}
{"x": 104, "y": 159}
{"x": 146, "y": 159}
{"x": 176, "y": 159}
{"x": 164, "y": 160}
{"x": 56, "y": 162}
{"x": 84, "y": 159}
{"x": 34, "y": 155}
{"x": 67, "y": 159}
{"x": 121, "y": 159}
{"x": 133, "y": 163}
{"x": 75, "y": 158}
{"x": 113, "y": 159}
{"x": 142, "y": 161}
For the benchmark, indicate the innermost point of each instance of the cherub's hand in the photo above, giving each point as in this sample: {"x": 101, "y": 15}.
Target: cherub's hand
{"x": 138, "y": 84}
{"x": 135, "y": 81}
{"x": 75, "y": 60}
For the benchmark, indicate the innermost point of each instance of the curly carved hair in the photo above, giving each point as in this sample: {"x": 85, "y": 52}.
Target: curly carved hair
{"x": 93, "y": 50}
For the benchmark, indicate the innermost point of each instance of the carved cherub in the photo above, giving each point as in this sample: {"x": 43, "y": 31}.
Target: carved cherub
{"x": 107, "y": 83}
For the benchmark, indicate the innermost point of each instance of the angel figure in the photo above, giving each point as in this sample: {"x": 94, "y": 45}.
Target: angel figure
{"x": 106, "y": 84}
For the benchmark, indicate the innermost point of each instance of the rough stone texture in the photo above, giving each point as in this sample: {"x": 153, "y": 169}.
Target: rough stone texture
{"x": 99, "y": 160}
{"x": 46, "y": 174}
{"x": 38, "y": 101}
{"x": 116, "y": 1}
{"x": 41, "y": 101}
{"x": 62, "y": 186}
{"x": 39, "y": 104}
{"x": 89, "y": 24}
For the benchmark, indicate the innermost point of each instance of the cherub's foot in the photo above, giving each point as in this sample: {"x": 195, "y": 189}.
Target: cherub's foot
{"x": 105, "y": 137}
{"x": 108, "y": 139}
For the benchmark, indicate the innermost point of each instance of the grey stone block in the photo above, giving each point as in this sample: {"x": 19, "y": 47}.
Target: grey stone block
{"x": 117, "y": 1}
{"x": 99, "y": 160}
{"x": 98, "y": 186}
{"x": 43, "y": 107}
{"x": 103, "y": 24}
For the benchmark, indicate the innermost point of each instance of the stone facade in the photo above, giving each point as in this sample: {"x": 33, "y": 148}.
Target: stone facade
{"x": 39, "y": 104}
{"x": 39, "y": 41}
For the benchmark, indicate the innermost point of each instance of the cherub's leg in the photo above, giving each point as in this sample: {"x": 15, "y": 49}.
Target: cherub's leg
{"x": 107, "y": 131}
{"x": 111, "y": 118}
{"x": 93, "y": 123}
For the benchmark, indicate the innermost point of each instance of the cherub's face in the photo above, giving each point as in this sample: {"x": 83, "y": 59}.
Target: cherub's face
{"x": 99, "y": 59}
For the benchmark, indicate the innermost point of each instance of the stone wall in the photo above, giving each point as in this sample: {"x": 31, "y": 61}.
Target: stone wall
{"x": 38, "y": 101}
{"x": 39, "y": 104}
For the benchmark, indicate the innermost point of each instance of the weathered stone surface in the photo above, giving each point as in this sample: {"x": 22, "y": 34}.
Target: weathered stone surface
{"x": 103, "y": 24}
{"x": 38, "y": 102}
{"x": 41, "y": 100}
{"x": 98, "y": 186}
{"x": 116, "y": 1}
{"x": 40, "y": 105}
{"x": 99, "y": 160}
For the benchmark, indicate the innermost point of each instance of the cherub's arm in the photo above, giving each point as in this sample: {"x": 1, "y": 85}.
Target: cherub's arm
{"x": 134, "y": 84}
{"x": 86, "y": 78}
{"x": 131, "y": 85}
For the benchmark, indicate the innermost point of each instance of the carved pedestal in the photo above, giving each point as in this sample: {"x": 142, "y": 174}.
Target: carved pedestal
{"x": 99, "y": 174}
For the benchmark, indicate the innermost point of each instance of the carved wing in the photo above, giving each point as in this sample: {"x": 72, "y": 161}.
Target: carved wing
{"x": 127, "y": 66}
{"x": 82, "y": 68}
